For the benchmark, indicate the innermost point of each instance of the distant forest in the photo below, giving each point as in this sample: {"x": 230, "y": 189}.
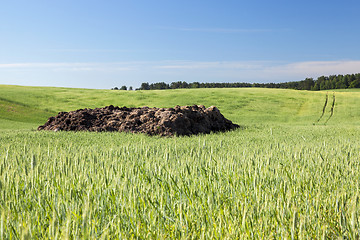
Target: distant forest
{"x": 321, "y": 83}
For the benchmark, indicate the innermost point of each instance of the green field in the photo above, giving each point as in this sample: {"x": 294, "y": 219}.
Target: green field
{"x": 283, "y": 175}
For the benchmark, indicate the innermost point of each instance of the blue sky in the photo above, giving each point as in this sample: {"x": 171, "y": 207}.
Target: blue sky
{"x": 103, "y": 44}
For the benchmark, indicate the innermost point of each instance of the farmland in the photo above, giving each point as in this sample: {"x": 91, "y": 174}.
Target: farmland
{"x": 281, "y": 175}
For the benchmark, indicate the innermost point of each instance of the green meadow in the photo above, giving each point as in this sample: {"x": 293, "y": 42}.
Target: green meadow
{"x": 282, "y": 175}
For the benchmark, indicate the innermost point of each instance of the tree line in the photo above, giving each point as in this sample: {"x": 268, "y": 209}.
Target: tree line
{"x": 321, "y": 83}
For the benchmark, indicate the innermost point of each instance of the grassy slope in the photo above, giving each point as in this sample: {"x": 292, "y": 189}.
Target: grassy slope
{"x": 31, "y": 106}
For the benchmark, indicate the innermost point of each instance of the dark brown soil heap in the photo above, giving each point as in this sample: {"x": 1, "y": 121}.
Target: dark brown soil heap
{"x": 186, "y": 120}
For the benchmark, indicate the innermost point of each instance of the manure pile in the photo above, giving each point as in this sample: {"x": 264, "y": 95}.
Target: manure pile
{"x": 186, "y": 120}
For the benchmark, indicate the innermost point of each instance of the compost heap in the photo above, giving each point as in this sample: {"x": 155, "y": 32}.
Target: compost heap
{"x": 186, "y": 120}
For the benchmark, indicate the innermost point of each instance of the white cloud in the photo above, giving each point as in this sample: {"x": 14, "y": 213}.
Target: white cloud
{"x": 68, "y": 66}
{"x": 81, "y": 50}
{"x": 224, "y": 30}
{"x": 262, "y": 67}
{"x": 313, "y": 69}
{"x": 210, "y": 65}
{"x": 38, "y": 65}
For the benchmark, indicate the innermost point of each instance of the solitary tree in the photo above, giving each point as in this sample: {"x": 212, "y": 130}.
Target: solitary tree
{"x": 123, "y": 88}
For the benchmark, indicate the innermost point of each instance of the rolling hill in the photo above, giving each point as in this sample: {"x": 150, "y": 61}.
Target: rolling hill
{"x": 27, "y": 107}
